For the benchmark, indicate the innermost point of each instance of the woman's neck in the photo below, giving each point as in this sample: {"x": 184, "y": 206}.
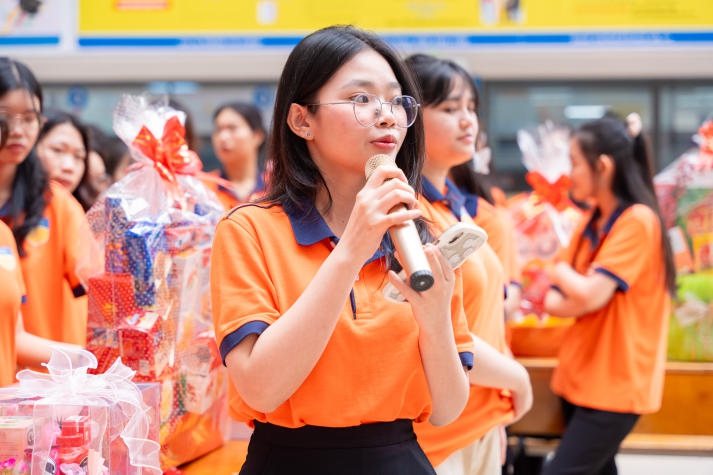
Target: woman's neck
{"x": 343, "y": 197}
{"x": 435, "y": 174}
{"x": 241, "y": 171}
{"x": 607, "y": 204}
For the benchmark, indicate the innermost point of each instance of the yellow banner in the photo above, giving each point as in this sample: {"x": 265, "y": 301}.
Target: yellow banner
{"x": 221, "y": 17}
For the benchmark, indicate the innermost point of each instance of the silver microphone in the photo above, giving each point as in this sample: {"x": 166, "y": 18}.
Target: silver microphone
{"x": 406, "y": 239}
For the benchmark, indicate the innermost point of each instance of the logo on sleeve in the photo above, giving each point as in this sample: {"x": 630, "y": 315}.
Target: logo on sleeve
{"x": 40, "y": 234}
{"x": 7, "y": 258}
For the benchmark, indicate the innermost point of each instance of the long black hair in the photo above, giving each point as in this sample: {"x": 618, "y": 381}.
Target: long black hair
{"x": 436, "y": 77}
{"x": 633, "y": 172}
{"x": 293, "y": 174}
{"x": 29, "y": 195}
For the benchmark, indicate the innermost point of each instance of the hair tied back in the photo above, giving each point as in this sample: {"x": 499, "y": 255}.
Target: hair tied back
{"x": 634, "y": 125}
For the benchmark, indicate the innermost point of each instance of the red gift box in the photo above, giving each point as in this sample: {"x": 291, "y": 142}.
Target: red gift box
{"x": 111, "y": 298}
{"x": 144, "y": 347}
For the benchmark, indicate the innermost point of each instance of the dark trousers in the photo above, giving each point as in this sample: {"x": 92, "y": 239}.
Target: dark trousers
{"x": 590, "y": 441}
{"x": 384, "y": 448}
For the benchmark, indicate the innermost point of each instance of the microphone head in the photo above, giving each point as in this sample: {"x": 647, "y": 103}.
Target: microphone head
{"x": 376, "y": 161}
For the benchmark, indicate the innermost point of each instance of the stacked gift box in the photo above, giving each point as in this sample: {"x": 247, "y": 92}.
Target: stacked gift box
{"x": 685, "y": 193}
{"x": 149, "y": 298}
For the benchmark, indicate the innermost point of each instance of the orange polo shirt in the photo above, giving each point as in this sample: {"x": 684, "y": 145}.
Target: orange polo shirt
{"x": 496, "y": 221}
{"x": 483, "y": 287}
{"x": 370, "y": 370}
{"x": 11, "y": 297}
{"x": 48, "y": 269}
{"x": 614, "y": 358}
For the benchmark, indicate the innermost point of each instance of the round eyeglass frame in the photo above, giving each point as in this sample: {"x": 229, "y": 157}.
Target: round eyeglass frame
{"x": 354, "y": 104}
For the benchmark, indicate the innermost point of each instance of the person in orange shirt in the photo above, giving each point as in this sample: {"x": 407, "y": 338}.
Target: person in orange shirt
{"x": 239, "y": 143}
{"x": 44, "y": 217}
{"x": 495, "y": 219}
{"x": 17, "y": 346}
{"x": 500, "y": 390}
{"x": 616, "y": 278}
{"x": 331, "y": 373}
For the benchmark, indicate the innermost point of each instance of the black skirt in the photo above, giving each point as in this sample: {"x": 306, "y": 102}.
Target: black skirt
{"x": 384, "y": 448}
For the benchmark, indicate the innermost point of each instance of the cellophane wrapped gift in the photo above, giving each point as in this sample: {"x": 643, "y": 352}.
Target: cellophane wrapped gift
{"x": 149, "y": 299}
{"x": 544, "y": 221}
{"x": 72, "y": 422}
{"x": 685, "y": 193}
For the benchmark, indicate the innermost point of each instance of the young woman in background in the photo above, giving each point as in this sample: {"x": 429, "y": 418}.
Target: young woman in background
{"x": 615, "y": 279}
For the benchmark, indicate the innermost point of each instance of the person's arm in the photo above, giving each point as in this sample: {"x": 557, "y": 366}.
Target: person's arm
{"x": 447, "y": 379}
{"x": 267, "y": 369}
{"x": 493, "y": 369}
{"x": 575, "y": 294}
{"x": 33, "y": 350}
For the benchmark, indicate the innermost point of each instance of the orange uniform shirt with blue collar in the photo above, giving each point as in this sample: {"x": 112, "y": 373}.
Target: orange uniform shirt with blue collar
{"x": 370, "y": 371}
{"x": 227, "y": 195}
{"x": 55, "y": 308}
{"x": 11, "y": 298}
{"x": 483, "y": 301}
{"x": 614, "y": 358}
{"x": 497, "y": 222}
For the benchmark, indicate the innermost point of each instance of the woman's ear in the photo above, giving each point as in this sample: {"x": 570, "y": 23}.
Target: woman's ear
{"x": 606, "y": 168}
{"x": 298, "y": 121}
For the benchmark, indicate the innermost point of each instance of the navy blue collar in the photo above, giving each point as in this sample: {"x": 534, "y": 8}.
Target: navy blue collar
{"x": 453, "y": 198}
{"x": 5, "y": 208}
{"x": 590, "y": 231}
{"x": 310, "y": 228}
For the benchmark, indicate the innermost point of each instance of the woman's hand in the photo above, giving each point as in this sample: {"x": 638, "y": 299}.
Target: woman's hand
{"x": 431, "y": 308}
{"x": 385, "y": 201}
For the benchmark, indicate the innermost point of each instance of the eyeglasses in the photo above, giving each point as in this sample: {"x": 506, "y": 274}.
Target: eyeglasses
{"x": 368, "y": 108}
{"x": 27, "y": 120}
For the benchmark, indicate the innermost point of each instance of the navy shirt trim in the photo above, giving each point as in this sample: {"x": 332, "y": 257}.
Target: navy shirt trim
{"x": 233, "y": 339}
{"x": 454, "y": 199}
{"x": 466, "y": 359}
{"x": 621, "y": 284}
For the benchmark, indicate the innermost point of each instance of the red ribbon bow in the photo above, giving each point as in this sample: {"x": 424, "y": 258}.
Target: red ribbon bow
{"x": 170, "y": 154}
{"x": 557, "y": 193}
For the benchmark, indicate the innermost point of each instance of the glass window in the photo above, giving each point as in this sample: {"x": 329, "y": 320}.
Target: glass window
{"x": 684, "y": 108}
{"x": 511, "y": 107}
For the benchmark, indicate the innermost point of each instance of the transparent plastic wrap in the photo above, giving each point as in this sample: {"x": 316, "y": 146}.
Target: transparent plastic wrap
{"x": 544, "y": 221}
{"x": 148, "y": 283}
{"x": 70, "y": 419}
{"x": 685, "y": 193}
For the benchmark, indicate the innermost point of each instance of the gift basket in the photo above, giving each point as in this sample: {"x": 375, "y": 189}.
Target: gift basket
{"x": 148, "y": 284}
{"x": 685, "y": 193}
{"x": 69, "y": 421}
{"x": 544, "y": 221}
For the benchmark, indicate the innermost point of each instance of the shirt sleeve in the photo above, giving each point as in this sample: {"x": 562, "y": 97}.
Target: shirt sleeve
{"x": 628, "y": 247}
{"x": 242, "y": 294}
{"x": 75, "y": 234}
{"x": 464, "y": 342}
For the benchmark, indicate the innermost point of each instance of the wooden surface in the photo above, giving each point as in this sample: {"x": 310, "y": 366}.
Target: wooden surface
{"x": 687, "y": 407}
{"x": 226, "y": 460}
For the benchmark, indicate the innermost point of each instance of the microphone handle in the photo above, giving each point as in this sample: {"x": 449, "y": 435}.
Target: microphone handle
{"x": 413, "y": 259}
